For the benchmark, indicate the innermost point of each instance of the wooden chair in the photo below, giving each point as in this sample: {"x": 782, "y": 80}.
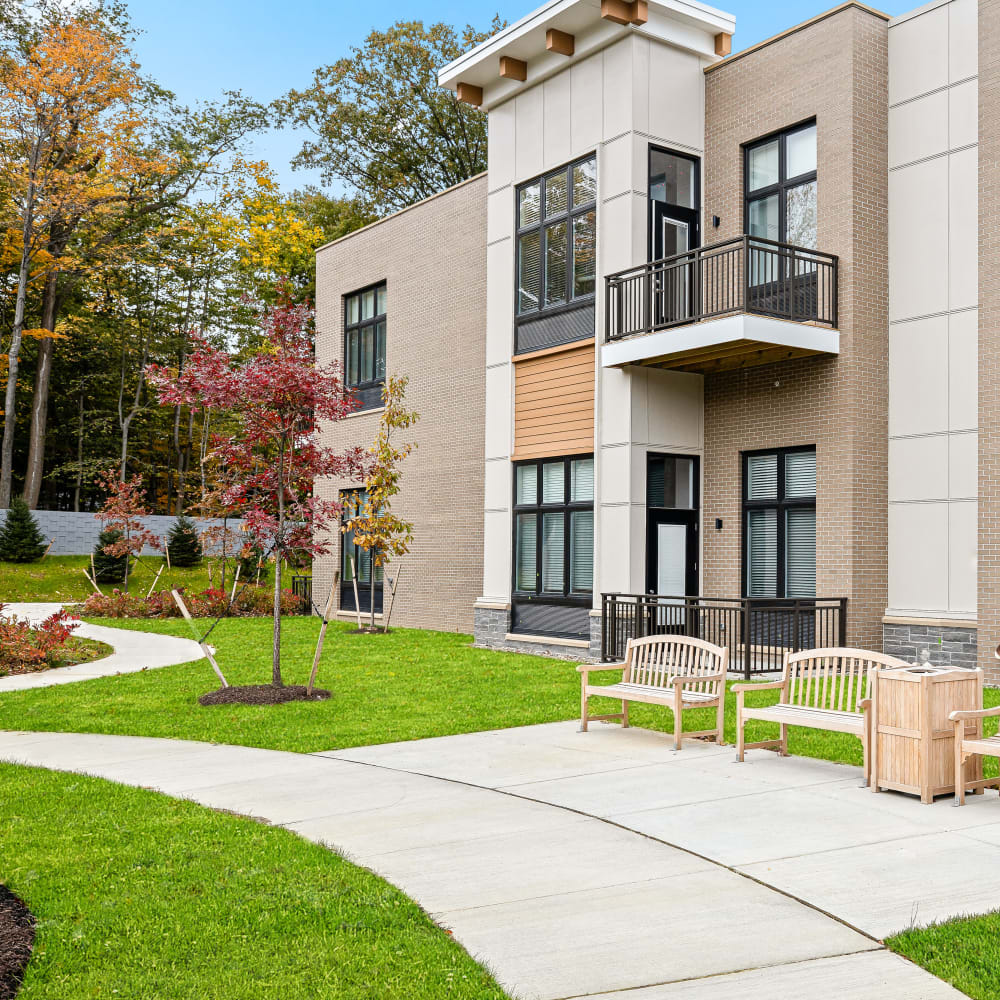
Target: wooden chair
{"x": 825, "y": 689}
{"x": 671, "y": 670}
{"x": 973, "y": 744}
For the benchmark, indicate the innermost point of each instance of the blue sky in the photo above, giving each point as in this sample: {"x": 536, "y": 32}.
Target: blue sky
{"x": 198, "y": 48}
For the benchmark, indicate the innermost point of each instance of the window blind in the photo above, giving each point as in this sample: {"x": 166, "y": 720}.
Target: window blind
{"x": 800, "y": 474}
{"x": 553, "y": 552}
{"x": 763, "y": 477}
{"x": 527, "y": 531}
{"x": 762, "y": 553}
{"x": 527, "y": 484}
{"x": 581, "y": 551}
{"x": 553, "y": 482}
{"x": 800, "y": 552}
{"x": 582, "y": 480}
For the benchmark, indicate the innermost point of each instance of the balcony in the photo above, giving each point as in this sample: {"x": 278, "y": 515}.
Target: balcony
{"x": 743, "y": 302}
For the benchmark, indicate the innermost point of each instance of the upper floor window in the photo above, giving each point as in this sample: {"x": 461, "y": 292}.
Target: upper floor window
{"x": 779, "y": 523}
{"x": 780, "y": 187}
{"x": 557, "y": 238}
{"x": 364, "y": 338}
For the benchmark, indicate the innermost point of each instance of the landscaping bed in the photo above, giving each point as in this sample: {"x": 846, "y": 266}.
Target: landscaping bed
{"x": 75, "y": 651}
{"x": 138, "y": 895}
{"x": 17, "y": 934}
{"x": 27, "y": 649}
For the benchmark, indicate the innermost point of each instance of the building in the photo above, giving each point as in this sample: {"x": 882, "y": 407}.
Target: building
{"x": 739, "y": 324}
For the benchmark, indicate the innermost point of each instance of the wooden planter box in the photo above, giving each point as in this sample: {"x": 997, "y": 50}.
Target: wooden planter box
{"x": 913, "y": 744}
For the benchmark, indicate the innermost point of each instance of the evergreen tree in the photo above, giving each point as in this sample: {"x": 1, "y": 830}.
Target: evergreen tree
{"x": 109, "y": 569}
{"x": 183, "y": 544}
{"x": 20, "y": 539}
{"x": 251, "y": 558}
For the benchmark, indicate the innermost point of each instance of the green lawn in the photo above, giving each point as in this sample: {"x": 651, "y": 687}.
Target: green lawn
{"x": 964, "y": 952}
{"x": 406, "y": 685}
{"x": 60, "y": 578}
{"x": 141, "y": 896}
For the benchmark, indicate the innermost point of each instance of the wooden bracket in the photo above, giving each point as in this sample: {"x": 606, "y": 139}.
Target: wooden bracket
{"x": 625, "y": 11}
{"x": 513, "y": 69}
{"x": 723, "y": 44}
{"x": 469, "y": 93}
{"x": 560, "y": 42}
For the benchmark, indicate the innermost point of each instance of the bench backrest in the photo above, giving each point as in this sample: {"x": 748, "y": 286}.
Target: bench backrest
{"x": 655, "y": 660}
{"x": 834, "y": 678}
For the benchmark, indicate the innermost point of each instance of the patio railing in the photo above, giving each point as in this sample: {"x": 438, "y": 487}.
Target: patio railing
{"x": 756, "y": 631}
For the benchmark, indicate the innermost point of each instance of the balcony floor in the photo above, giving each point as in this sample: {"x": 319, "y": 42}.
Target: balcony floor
{"x": 742, "y": 341}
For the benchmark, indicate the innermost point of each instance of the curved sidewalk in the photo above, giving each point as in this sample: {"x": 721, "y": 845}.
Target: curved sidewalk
{"x": 557, "y": 902}
{"x": 133, "y": 651}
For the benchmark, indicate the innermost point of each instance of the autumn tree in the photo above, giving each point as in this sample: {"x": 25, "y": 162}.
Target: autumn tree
{"x": 380, "y": 122}
{"x": 68, "y": 124}
{"x": 273, "y": 456}
{"x": 375, "y": 526}
{"x": 123, "y": 512}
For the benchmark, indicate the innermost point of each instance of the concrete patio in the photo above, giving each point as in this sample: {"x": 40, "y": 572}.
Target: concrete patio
{"x": 591, "y": 864}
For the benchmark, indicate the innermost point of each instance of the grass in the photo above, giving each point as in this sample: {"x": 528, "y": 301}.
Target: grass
{"x": 964, "y": 952}
{"x": 142, "y": 896}
{"x": 407, "y": 685}
{"x": 60, "y": 578}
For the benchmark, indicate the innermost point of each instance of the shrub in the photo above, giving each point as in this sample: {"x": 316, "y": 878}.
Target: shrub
{"x": 183, "y": 544}
{"x": 252, "y": 602}
{"x": 252, "y": 558}
{"x": 24, "y": 649}
{"x": 20, "y": 539}
{"x": 109, "y": 569}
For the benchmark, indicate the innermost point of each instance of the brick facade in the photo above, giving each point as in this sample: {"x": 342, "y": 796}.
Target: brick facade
{"x": 989, "y": 338}
{"x": 432, "y": 257}
{"x": 835, "y": 70}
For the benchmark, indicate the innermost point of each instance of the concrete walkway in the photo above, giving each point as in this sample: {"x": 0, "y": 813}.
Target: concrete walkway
{"x": 604, "y": 865}
{"x": 133, "y": 651}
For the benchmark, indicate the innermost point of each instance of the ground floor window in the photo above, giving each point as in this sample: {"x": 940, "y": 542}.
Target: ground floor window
{"x": 554, "y": 541}
{"x": 356, "y": 561}
{"x": 779, "y": 523}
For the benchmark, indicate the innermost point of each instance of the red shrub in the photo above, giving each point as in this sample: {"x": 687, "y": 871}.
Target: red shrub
{"x": 24, "y": 649}
{"x": 250, "y": 602}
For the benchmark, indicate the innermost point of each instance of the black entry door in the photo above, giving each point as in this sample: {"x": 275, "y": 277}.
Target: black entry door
{"x": 675, "y": 231}
{"x": 671, "y": 566}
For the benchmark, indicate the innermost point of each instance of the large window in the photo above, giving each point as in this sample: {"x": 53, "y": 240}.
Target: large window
{"x": 779, "y": 523}
{"x": 356, "y": 562}
{"x": 781, "y": 187}
{"x": 557, "y": 239}
{"x": 554, "y": 528}
{"x": 364, "y": 342}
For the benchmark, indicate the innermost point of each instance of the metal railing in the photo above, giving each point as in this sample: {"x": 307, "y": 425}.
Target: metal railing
{"x": 741, "y": 275}
{"x": 756, "y": 631}
{"x": 302, "y": 588}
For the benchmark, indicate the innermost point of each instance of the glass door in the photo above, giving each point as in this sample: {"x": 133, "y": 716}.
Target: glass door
{"x": 673, "y": 231}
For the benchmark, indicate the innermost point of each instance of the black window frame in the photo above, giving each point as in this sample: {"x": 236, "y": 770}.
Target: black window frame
{"x": 571, "y": 213}
{"x": 352, "y": 498}
{"x": 365, "y": 388}
{"x": 784, "y": 183}
{"x": 693, "y": 215}
{"x": 566, "y": 508}
{"x": 782, "y": 504}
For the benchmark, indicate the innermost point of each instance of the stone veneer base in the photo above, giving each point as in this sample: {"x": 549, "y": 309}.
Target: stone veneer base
{"x": 947, "y": 645}
{"x": 492, "y": 628}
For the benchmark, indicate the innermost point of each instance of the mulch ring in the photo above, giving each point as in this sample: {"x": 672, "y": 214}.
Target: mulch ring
{"x": 262, "y": 694}
{"x": 17, "y": 935}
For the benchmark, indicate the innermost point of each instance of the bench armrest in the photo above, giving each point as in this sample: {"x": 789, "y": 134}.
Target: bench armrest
{"x": 683, "y": 679}
{"x": 769, "y": 686}
{"x": 982, "y": 713}
{"x": 586, "y": 668}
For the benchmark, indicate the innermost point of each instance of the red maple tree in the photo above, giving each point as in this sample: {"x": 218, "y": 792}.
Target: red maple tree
{"x": 269, "y": 463}
{"x": 124, "y": 510}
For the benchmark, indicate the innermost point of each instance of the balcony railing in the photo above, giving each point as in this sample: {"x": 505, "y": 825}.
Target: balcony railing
{"x": 756, "y": 631}
{"x": 742, "y": 275}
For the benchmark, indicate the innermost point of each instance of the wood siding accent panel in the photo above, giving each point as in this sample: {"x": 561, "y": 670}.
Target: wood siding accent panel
{"x": 554, "y": 404}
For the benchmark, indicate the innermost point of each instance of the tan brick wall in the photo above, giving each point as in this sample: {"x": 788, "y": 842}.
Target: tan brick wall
{"x": 433, "y": 260}
{"x": 834, "y": 70}
{"x": 989, "y": 337}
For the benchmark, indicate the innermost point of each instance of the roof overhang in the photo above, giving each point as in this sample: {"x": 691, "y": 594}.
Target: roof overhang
{"x": 686, "y": 24}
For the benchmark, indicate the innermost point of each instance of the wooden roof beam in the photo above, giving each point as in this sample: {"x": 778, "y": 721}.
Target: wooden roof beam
{"x": 469, "y": 93}
{"x": 560, "y": 42}
{"x": 625, "y": 11}
{"x": 513, "y": 69}
{"x": 723, "y": 44}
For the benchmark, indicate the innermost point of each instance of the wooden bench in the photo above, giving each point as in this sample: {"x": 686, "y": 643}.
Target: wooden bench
{"x": 973, "y": 744}
{"x": 825, "y": 689}
{"x": 671, "y": 670}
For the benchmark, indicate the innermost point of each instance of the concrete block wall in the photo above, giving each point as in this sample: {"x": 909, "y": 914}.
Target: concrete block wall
{"x": 74, "y": 533}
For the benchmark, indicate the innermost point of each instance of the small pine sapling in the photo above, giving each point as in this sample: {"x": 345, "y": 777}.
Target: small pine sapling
{"x": 21, "y": 541}
{"x": 183, "y": 543}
